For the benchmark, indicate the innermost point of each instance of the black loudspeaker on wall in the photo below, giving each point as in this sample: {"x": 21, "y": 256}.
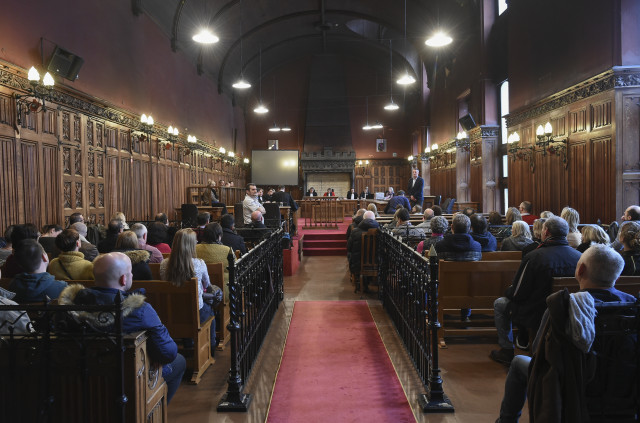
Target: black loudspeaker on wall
{"x": 65, "y": 64}
{"x": 467, "y": 122}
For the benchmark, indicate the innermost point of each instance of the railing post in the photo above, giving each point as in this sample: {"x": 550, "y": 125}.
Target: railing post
{"x": 234, "y": 399}
{"x": 435, "y": 400}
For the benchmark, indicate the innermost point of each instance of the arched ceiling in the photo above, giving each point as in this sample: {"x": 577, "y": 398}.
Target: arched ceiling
{"x": 277, "y": 32}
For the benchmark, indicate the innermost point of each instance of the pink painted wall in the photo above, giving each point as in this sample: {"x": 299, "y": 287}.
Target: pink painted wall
{"x": 128, "y": 63}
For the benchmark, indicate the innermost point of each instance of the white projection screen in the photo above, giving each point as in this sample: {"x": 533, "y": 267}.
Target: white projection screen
{"x": 274, "y": 167}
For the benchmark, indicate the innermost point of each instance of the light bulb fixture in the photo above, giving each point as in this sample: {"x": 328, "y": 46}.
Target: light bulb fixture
{"x": 367, "y": 127}
{"x": 377, "y": 125}
{"x": 286, "y": 128}
{"x": 204, "y": 36}
{"x": 192, "y": 139}
{"x": 405, "y": 79}
{"x": 246, "y": 160}
{"x": 439, "y": 39}
{"x": 173, "y": 131}
{"x": 410, "y": 158}
{"x": 222, "y": 150}
{"x": 391, "y": 105}
{"x": 241, "y": 84}
{"x": 434, "y": 147}
{"x": 40, "y": 91}
{"x": 274, "y": 128}
{"x": 260, "y": 108}
{"x": 231, "y": 154}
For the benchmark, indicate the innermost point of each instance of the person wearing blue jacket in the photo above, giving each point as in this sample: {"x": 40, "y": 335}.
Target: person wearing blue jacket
{"x": 34, "y": 284}
{"x": 480, "y": 233}
{"x": 112, "y": 273}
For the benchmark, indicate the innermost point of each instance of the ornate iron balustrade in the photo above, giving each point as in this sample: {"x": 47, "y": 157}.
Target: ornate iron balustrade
{"x": 409, "y": 290}
{"x": 255, "y": 292}
{"x": 55, "y": 341}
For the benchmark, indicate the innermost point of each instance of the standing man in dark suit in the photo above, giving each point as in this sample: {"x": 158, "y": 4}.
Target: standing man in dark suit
{"x": 416, "y": 190}
{"x": 285, "y": 198}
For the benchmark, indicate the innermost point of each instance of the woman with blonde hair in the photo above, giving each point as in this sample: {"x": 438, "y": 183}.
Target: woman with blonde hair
{"x": 519, "y": 239}
{"x": 372, "y": 207}
{"x": 630, "y": 238}
{"x": 183, "y": 265}
{"x": 127, "y": 243}
{"x": 573, "y": 219}
{"x": 513, "y": 215}
{"x": 592, "y": 234}
{"x": 120, "y": 216}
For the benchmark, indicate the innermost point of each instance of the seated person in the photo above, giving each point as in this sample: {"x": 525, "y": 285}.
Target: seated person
{"x": 48, "y": 239}
{"x": 459, "y": 245}
{"x": 365, "y": 194}
{"x": 229, "y": 236}
{"x": 404, "y": 228}
{"x": 7, "y": 249}
{"x": 127, "y": 244}
{"x": 157, "y": 235}
{"x": 211, "y": 250}
{"x": 426, "y": 218}
{"x": 112, "y": 274}
{"x": 171, "y": 230}
{"x": 11, "y": 267}
{"x": 357, "y": 218}
{"x": 389, "y": 194}
{"x": 121, "y": 217}
{"x": 537, "y": 235}
{"x": 397, "y": 200}
{"x": 573, "y": 220}
{"x": 202, "y": 220}
{"x": 480, "y": 233}
{"x": 597, "y": 271}
{"x": 352, "y": 195}
{"x": 257, "y": 221}
{"x": 141, "y": 232}
{"x": 372, "y": 207}
{"x": 519, "y": 239}
{"x": 108, "y": 244}
{"x": 89, "y": 250}
{"x": 70, "y": 263}
{"x": 592, "y": 234}
{"x": 437, "y": 210}
{"x": 12, "y": 320}
{"x": 354, "y": 244}
{"x": 312, "y": 192}
{"x": 439, "y": 227}
{"x": 34, "y": 283}
{"x": 526, "y": 209}
{"x": 629, "y": 237}
{"x": 524, "y": 302}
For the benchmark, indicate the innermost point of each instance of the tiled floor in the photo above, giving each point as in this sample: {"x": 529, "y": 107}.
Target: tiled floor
{"x": 472, "y": 381}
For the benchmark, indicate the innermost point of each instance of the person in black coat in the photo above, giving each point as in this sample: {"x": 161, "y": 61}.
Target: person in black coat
{"x": 354, "y": 245}
{"x": 312, "y": 192}
{"x": 108, "y": 244}
{"x": 229, "y": 237}
{"x": 285, "y": 198}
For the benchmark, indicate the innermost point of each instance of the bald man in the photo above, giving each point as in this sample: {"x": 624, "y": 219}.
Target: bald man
{"x": 112, "y": 273}
{"x": 257, "y": 221}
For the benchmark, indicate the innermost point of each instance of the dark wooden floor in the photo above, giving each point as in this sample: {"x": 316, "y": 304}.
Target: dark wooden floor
{"x": 473, "y": 382}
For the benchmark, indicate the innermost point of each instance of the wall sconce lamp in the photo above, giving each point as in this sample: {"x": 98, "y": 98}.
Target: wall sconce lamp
{"x": 520, "y": 153}
{"x": 430, "y": 153}
{"x": 173, "y": 134}
{"x": 462, "y": 141}
{"x": 548, "y": 144}
{"x": 40, "y": 91}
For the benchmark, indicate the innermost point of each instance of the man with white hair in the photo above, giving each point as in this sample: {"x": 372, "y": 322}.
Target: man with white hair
{"x": 112, "y": 273}
{"x": 89, "y": 250}
{"x": 141, "y": 232}
{"x": 426, "y": 220}
{"x": 597, "y": 271}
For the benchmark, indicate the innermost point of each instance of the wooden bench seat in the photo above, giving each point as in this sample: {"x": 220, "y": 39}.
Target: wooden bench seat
{"x": 501, "y": 255}
{"x": 216, "y": 276}
{"x": 628, "y": 284}
{"x": 475, "y": 285}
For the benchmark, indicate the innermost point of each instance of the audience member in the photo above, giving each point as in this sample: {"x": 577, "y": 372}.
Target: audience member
{"x": 468, "y": 211}
{"x": 513, "y": 215}
{"x": 89, "y": 250}
{"x": 391, "y": 225}
{"x": 426, "y": 217}
{"x": 546, "y": 214}
{"x": 372, "y": 207}
{"x": 183, "y": 265}
{"x": 437, "y": 210}
{"x": 629, "y": 237}
{"x": 536, "y": 236}
{"x": 7, "y": 250}
{"x": 251, "y": 203}
{"x": 439, "y": 227}
{"x": 631, "y": 214}
{"x": 12, "y": 320}
{"x": 48, "y": 239}
{"x": 34, "y": 283}
{"x": 354, "y": 244}
{"x": 459, "y": 245}
{"x": 76, "y": 218}
{"x": 596, "y": 271}
{"x": 157, "y": 235}
{"x": 389, "y": 194}
{"x": 357, "y": 218}
{"x": 260, "y": 195}
{"x": 495, "y": 219}
{"x": 11, "y": 266}
{"x": 396, "y": 201}
{"x": 171, "y": 230}
{"x": 108, "y": 244}
{"x": 120, "y": 216}
{"x": 481, "y": 235}
{"x": 520, "y": 237}
{"x": 70, "y": 263}
{"x": 202, "y": 220}
{"x": 257, "y": 220}
{"x": 524, "y": 302}
{"x": 404, "y": 228}
{"x": 573, "y": 220}
{"x": 229, "y": 237}
{"x": 526, "y": 208}
{"x": 415, "y": 190}
{"x": 141, "y": 232}
{"x": 113, "y": 277}
{"x": 211, "y": 250}
{"x": 127, "y": 244}
{"x": 592, "y": 234}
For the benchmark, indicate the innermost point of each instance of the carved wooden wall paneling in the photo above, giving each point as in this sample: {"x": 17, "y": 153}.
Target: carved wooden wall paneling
{"x": 51, "y": 210}
{"x": 476, "y": 183}
{"x": 580, "y": 192}
{"x": 7, "y": 112}
{"x": 30, "y": 157}
{"x": 9, "y": 200}
{"x": 603, "y": 181}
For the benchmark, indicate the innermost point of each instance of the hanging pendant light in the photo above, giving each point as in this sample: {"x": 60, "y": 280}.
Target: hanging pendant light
{"x": 260, "y": 108}
{"x": 391, "y": 105}
{"x": 274, "y": 128}
{"x": 241, "y": 84}
{"x": 405, "y": 79}
{"x": 205, "y": 37}
{"x": 367, "y": 127}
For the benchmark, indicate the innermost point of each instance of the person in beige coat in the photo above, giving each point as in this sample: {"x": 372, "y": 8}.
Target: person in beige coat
{"x": 70, "y": 263}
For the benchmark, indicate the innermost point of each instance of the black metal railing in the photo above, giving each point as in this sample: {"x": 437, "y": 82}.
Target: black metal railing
{"x": 409, "y": 291}
{"x": 255, "y": 292}
{"x": 48, "y": 364}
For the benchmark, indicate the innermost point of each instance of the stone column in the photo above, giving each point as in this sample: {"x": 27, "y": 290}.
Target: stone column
{"x": 463, "y": 170}
{"x": 487, "y": 139}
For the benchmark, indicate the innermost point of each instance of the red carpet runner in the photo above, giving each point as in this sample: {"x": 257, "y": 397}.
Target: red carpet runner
{"x": 335, "y": 369}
